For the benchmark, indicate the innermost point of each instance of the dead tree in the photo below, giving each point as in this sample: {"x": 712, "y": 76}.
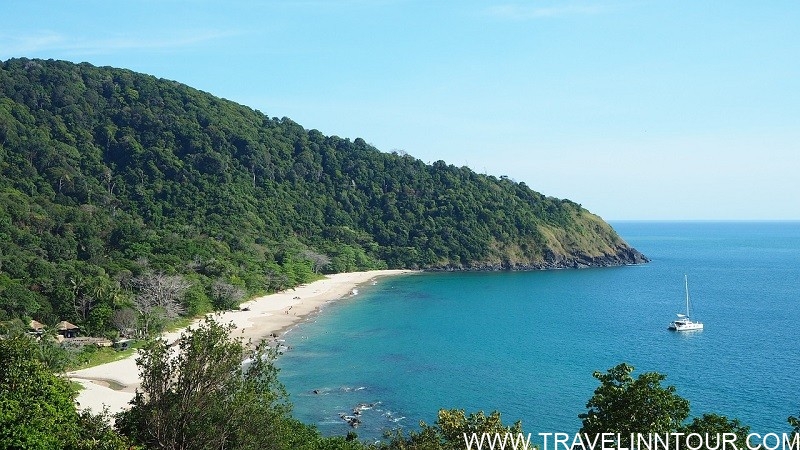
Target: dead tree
{"x": 158, "y": 297}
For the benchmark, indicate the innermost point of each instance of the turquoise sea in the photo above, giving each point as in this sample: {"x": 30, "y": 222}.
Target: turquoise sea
{"x": 526, "y": 343}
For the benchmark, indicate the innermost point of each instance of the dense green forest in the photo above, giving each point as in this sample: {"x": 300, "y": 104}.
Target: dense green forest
{"x": 113, "y": 181}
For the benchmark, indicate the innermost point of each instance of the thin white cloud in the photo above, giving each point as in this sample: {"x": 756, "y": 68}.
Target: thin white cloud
{"x": 50, "y": 42}
{"x": 15, "y": 45}
{"x": 530, "y": 12}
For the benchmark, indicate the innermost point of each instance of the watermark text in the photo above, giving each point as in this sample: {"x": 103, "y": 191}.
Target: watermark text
{"x": 633, "y": 441}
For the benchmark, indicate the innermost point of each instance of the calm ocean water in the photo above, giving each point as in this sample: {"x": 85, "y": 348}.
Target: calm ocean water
{"x": 526, "y": 343}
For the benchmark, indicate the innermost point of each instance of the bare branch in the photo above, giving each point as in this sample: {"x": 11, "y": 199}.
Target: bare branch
{"x": 157, "y": 295}
{"x": 124, "y": 321}
{"x": 317, "y": 259}
{"x": 226, "y": 295}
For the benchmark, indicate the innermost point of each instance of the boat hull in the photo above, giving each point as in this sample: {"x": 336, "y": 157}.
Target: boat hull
{"x": 685, "y": 326}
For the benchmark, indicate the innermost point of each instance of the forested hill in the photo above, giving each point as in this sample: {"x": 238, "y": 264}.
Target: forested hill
{"x": 107, "y": 174}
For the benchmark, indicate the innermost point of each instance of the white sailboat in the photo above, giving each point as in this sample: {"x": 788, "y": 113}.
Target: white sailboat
{"x": 683, "y": 322}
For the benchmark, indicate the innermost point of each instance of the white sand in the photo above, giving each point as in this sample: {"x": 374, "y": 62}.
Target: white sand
{"x": 114, "y": 384}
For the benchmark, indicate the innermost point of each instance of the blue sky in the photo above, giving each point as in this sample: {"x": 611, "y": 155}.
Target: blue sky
{"x": 635, "y": 109}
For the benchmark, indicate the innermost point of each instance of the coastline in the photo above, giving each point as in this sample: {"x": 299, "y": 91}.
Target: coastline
{"x": 114, "y": 384}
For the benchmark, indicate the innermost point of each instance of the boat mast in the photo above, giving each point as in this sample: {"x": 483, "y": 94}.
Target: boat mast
{"x": 686, "y": 283}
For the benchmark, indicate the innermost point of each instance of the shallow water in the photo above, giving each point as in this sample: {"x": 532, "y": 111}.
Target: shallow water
{"x": 526, "y": 343}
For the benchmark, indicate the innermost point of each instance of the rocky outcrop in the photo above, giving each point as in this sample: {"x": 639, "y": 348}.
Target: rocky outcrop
{"x": 626, "y": 256}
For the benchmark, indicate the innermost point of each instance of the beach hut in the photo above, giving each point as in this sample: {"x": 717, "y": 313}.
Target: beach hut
{"x": 36, "y": 327}
{"x": 67, "y": 329}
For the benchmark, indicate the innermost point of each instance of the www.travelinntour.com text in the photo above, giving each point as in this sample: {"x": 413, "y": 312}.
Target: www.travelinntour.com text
{"x": 634, "y": 441}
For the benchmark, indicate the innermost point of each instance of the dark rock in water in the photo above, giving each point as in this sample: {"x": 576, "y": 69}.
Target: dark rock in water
{"x": 351, "y": 420}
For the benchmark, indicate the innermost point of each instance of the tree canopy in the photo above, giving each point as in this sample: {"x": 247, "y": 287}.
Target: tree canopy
{"x": 37, "y": 407}
{"x": 638, "y": 406}
{"x": 198, "y": 396}
{"x": 622, "y": 404}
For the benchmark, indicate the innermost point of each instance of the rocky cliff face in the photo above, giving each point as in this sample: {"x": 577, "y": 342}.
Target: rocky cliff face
{"x": 585, "y": 240}
{"x": 625, "y": 257}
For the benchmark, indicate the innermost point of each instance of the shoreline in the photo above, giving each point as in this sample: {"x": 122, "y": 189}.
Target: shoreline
{"x": 114, "y": 384}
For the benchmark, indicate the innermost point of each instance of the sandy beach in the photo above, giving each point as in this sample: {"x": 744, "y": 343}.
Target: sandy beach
{"x": 113, "y": 385}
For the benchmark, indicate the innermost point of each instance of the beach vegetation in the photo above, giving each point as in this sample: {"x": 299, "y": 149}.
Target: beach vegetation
{"x": 794, "y": 422}
{"x": 37, "y": 406}
{"x": 626, "y": 405}
{"x": 90, "y": 355}
{"x": 44, "y": 344}
{"x": 640, "y": 406}
{"x": 225, "y": 295}
{"x": 214, "y": 391}
{"x": 108, "y": 177}
{"x": 199, "y": 395}
{"x": 715, "y": 426}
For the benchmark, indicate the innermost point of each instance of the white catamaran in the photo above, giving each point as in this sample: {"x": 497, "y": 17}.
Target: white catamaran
{"x": 683, "y": 322}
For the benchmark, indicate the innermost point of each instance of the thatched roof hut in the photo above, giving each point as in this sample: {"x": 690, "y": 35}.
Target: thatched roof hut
{"x": 67, "y": 329}
{"x": 36, "y": 326}
{"x": 64, "y": 325}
